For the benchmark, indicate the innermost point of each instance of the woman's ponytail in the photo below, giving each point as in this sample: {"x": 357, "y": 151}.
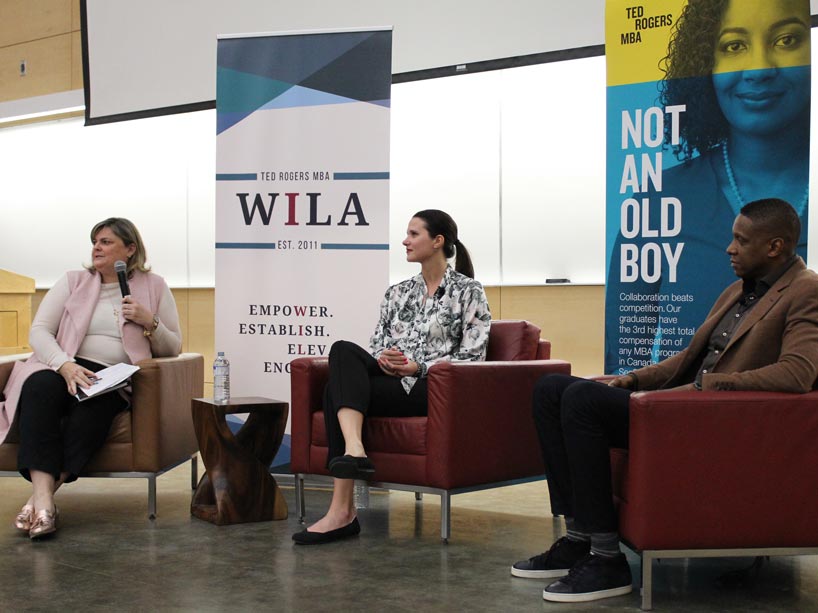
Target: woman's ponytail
{"x": 462, "y": 262}
{"x": 440, "y": 223}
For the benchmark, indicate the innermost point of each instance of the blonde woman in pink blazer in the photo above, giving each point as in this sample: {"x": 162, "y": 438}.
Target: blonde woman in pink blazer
{"x": 82, "y": 325}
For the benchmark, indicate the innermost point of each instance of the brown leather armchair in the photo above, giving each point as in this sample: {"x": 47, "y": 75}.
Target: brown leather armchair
{"x": 478, "y": 433}
{"x": 717, "y": 474}
{"x": 155, "y": 436}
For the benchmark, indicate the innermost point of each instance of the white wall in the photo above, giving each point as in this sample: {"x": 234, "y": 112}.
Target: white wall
{"x": 59, "y": 178}
{"x": 498, "y": 150}
{"x": 516, "y": 156}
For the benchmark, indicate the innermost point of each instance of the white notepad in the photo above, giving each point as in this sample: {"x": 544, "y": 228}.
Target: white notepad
{"x": 108, "y": 379}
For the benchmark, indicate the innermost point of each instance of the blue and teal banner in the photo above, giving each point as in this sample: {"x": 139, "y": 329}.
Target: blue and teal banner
{"x": 708, "y": 109}
{"x": 302, "y": 198}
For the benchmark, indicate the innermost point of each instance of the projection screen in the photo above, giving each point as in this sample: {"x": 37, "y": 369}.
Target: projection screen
{"x": 156, "y": 57}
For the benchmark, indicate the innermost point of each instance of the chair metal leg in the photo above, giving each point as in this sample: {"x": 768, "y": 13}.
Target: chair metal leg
{"x": 418, "y": 496}
{"x": 445, "y": 516}
{"x": 299, "y": 497}
{"x": 194, "y": 471}
{"x": 152, "y": 497}
{"x": 647, "y": 579}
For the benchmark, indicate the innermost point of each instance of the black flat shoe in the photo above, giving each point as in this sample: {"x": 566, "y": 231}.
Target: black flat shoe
{"x": 350, "y": 467}
{"x": 305, "y": 537}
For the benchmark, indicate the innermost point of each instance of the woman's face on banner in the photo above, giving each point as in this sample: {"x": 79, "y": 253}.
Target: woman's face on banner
{"x": 761, "y": 72}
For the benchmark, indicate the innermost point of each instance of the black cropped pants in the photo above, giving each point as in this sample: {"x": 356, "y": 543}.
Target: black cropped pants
{"x": 57, "y": 432}
{"x": 357, "y": 382}
{"x": 578, "y": 421}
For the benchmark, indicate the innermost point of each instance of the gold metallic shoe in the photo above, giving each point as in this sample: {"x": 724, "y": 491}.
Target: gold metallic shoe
{"x": 45, "y": 523}
{"x": 24, "y": 518}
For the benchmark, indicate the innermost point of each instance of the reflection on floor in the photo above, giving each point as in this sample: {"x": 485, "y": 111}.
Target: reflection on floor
{"x": 108, "y": 556}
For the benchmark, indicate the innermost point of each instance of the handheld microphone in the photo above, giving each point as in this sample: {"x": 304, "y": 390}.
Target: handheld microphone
{"x": 120, "y": 267}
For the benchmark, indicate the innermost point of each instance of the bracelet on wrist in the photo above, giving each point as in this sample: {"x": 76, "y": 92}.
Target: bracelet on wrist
{"x": 155, "y": 324}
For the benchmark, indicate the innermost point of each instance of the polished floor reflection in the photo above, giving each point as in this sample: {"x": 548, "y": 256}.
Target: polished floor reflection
{"x": 108, "y": 556}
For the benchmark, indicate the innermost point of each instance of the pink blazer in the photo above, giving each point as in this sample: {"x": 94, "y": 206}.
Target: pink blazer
{"x": 146, "y": 288}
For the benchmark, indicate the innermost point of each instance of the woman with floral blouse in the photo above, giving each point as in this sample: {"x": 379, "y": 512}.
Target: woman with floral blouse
{"x": 438, "y": 315}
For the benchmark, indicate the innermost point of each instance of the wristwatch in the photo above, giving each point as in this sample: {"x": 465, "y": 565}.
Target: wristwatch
{"x": 147, "y": 332}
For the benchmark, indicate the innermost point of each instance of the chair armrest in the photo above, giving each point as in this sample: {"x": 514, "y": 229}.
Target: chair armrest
{"x": 162, "y": 424}
{"x": 723, "y": 469}
{"x": 480, "y": 425}
{"x": 308, "y": 376}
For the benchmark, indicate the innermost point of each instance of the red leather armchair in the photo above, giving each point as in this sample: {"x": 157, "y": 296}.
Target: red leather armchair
{"x": 712, "y": 474}
{"x": 478, "y": 433}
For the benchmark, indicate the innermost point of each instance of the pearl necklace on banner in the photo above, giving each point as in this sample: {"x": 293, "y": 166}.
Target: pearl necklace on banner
{"x": 734, "y": 186}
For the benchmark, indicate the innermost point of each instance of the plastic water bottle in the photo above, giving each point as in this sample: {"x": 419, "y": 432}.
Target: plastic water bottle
{"x": 221, "y": 378}
{"x": 360, "y": 494}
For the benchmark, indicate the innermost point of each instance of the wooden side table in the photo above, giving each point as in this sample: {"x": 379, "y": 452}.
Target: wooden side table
{"x": 237, "y": 486}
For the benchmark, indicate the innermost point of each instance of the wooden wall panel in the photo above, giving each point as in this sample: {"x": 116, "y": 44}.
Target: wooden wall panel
{"x": 493, "y": 296}
{"x": 8, "y": 330}
{"x": 36, "y": 299}
{"x": 16, "y": 292}
{"x": 202, "y": 327}
{"x": 76, "y": 20}
{"x": 48, "y": 68}
{"x": 571, "y": 317}
{"x": 182, "y": 307}
{"x": 76, "y": 61}
{"x": 28, "y": 20}
{"x": 15, "y": 323}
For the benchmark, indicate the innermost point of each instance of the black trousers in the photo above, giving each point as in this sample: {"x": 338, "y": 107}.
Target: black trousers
{"x": 357, "y": 382}
{"x": 57, "y": 432}
{"x": 578, "y": 421}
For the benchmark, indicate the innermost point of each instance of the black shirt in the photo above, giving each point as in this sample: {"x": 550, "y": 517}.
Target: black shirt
{"x": 752, "y": 291}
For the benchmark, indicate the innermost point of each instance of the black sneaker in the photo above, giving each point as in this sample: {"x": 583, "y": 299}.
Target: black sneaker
{"x": 592, "y": 578}
{"x": 556, "y": 562}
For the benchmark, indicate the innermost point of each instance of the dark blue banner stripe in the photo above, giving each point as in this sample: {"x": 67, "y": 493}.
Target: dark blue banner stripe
{"x": 365, "y": 176}
{"x": 358, "y": 246}
{"x": 245, "y": 245}
{"x": 239, "y": 176}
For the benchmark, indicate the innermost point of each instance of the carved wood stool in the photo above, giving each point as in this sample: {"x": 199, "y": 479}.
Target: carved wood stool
{"x": 237, "y": 486}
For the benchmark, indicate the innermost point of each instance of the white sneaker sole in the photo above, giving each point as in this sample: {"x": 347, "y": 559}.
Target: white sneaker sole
{"x": 587, "y": 596}
{"x": 539, "y": 574}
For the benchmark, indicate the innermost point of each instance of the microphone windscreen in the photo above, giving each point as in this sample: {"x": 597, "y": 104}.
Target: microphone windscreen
{"x": 120, "y": 267}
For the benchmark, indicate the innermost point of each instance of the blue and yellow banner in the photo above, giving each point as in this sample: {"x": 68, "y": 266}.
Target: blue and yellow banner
{"x": 708, "y": 109}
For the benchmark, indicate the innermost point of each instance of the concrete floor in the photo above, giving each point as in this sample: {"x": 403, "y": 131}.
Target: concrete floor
{"x": 108, "y": 556}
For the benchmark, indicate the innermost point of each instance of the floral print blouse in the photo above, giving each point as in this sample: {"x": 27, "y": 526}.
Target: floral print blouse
{"x": 452, "y": 325}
